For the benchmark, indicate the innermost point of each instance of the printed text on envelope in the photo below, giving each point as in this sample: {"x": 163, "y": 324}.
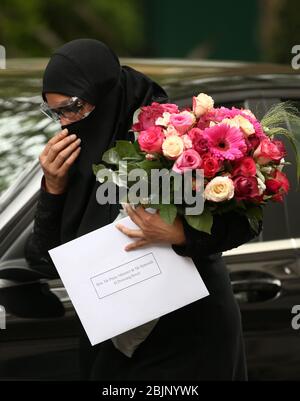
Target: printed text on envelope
{"x": 125, "y": 275}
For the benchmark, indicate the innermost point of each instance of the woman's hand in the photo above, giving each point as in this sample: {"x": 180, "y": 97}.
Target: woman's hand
{"x": 56, "y": 159}
{"x": 152, "y": 229}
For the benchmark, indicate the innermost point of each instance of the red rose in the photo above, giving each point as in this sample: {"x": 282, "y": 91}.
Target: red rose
{"x": 148, "y": 116}
{"x": 210, "y": 165}
{"x": 245, "y": 167}
{"x": 277, "y": 186}
{"x": 245, "y": 188}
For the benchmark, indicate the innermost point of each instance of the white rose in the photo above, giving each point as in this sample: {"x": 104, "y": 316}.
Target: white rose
{"x": 202, "y": 104}
{"x": 172, "y": 147}
{"x": 163, "y": 121}
{"x": 219, "y": 189}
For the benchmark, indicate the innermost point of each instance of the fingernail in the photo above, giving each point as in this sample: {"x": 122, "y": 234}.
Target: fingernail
{"x": 73, "y": 136}
{"x": 65, "y": 131}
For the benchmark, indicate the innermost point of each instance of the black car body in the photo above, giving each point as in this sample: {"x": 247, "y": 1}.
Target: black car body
{"x": 40, "y": 340}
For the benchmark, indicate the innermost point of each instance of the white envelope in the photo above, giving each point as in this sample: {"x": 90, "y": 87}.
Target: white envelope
{"x": 114, "y": 291}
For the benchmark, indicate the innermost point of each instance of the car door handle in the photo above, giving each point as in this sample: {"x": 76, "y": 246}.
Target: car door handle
{"x": 256, "y": 289}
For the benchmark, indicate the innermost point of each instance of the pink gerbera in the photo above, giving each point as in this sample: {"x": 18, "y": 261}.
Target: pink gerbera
{"x": 225, "y": 142}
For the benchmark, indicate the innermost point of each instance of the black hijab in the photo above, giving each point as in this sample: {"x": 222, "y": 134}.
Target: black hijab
{"x": 88, "y": 69}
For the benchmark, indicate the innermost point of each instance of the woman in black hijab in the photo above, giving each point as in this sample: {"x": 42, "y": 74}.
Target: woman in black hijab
{"x": 200, "y": 341}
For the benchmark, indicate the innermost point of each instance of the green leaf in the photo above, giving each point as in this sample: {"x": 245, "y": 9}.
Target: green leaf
{"x": 111, "y": 156}
{"x": 168, "y": 213}
{"x": 202, "y": 222}
{"x": 127, "y": 151}
{"x": 148, "y": 165}
{"x": 97, "y": 167}
{"x": 254, "y": 215}
{"x": 137, "y": 146}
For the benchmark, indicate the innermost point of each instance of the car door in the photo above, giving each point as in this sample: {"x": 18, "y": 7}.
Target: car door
{"x": 39, "y": 332}
{"x": 42, "y": 331}
{"x": 265, "y": 277}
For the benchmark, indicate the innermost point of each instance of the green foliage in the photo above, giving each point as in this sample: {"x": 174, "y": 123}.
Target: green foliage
{"x": 254, "y": 215}
{"x": 276, "y": 120}
{"x": 36, "y": 27}
{"x": 202, "y": 222}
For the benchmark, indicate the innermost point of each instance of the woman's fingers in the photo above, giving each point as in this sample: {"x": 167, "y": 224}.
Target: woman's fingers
{"x": 137, "y": 244}
{"x": 56, "y": 149}
{"x": 58, "y": 137}
{"x": 63, "y": 155}
{"x": 134, "y": 216}
{"x": 131, "y": 233}
{"x": 145, "y": 216}
{"x": 69, "y": 161}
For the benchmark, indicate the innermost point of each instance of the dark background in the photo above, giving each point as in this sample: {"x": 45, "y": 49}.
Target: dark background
{"x": 256, "y": 30}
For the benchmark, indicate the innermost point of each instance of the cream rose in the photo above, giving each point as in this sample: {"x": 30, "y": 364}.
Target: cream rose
{"x": 202, "y": 104}
{"x": 241, "y": 123}
{"x": 173, "y": 147}
{"x": 170, "y": 131}
{"x": 245, "y": 125}
{"x": 219, "y": 189}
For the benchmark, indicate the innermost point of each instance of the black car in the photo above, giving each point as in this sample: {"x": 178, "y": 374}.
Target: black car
{"x": 41, "y": 337}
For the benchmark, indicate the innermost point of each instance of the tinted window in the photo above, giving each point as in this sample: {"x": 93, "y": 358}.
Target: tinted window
{"x": 23, "y": 129}
{"x": 283, "y": 220}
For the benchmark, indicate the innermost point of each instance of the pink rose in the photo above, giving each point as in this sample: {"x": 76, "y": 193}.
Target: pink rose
{"x": 170, "y": 108}
{"x": 245, "y": 167}
{"x": 199, "y": 140}
{"x": 245, "y": 187}
{"x": 277, "y": 186}
{"x": 182, "y": 121}
{"x": 210, "y": 165}
{"x": 189, "y": 160}
{"x": 151, "y": 140}
{"x": 148, "y": 116}
{"x": 269, "y": 151}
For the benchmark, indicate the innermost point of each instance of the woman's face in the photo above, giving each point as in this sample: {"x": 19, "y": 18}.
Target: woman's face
{"x": 68, "y": 110}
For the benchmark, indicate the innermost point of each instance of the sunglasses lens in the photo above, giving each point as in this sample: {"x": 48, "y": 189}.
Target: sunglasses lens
{"x": 68, "y": 111}
{"x": 49, "y": 112}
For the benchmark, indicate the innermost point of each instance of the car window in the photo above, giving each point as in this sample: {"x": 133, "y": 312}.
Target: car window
{"x": 292, "y": 207}
{"x": 23, "y": 129}
{"x": 282, "y": 220}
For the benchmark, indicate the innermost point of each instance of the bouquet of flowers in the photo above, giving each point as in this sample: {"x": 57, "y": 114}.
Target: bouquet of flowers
{"x": 240, "y": 158}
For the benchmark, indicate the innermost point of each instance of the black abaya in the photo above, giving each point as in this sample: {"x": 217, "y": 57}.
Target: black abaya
{"x": 200, "y": 341}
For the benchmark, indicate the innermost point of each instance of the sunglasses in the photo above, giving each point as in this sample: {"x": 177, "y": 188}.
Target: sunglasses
{"x": 70, "y": 110}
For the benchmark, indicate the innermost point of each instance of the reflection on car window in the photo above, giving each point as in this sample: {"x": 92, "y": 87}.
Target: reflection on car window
{"x": 23, "y": 133}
